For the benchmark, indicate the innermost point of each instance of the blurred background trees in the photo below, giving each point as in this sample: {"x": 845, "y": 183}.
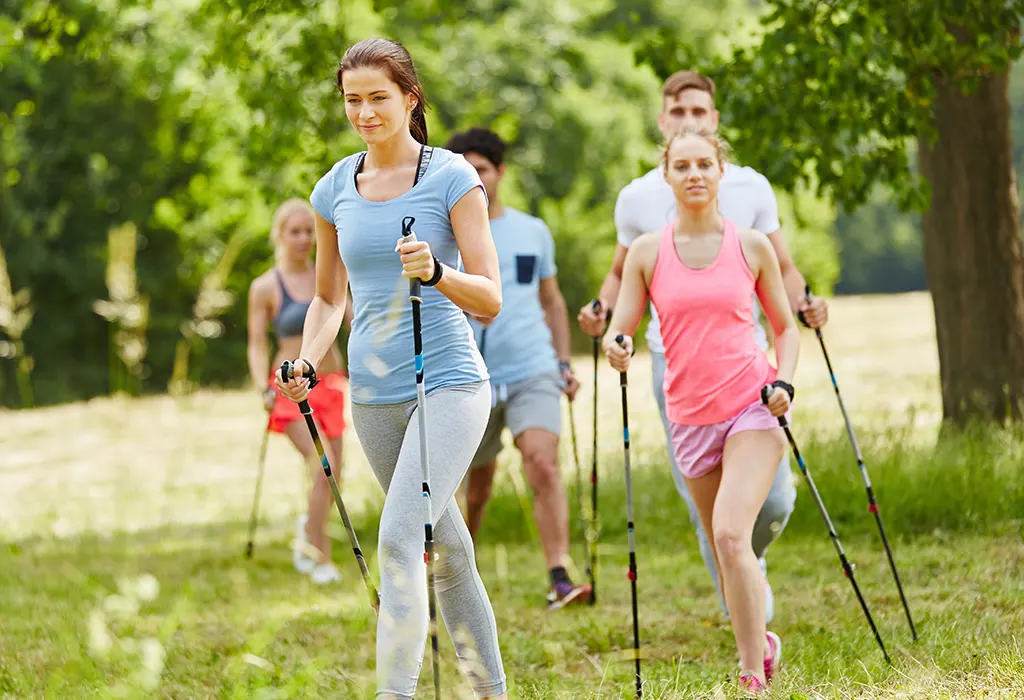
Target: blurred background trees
{"x": 186, "y": 122}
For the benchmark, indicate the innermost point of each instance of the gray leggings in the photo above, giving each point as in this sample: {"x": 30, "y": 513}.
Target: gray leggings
{"x": 389, "y": 435}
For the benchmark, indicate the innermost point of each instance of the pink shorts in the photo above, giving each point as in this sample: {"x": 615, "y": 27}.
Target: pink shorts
{"x": 698, "y": 448}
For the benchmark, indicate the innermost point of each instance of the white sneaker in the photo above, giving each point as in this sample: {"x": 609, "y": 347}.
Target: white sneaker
{"x": 325, "y": 573}
{"x": 302, "y": 562}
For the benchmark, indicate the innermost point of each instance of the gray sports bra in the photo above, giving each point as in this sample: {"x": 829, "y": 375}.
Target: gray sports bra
{"x": 291, "y": 315}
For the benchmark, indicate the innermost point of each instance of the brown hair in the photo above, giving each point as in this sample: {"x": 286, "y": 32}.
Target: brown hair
{"x": 722, "y": 149}
{"x": 394, "y": 59}
{"x": 685, "y": 80}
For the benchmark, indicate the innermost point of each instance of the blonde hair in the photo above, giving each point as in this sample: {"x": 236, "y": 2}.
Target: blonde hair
{"x": 287, "y": 208}
{"x": 722, "y": 149}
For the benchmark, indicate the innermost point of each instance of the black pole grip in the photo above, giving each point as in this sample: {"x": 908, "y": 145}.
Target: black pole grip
{"x": 288, "y": 372}
{"x": 800, "y": 314}
{"x": 766, "y": 392}
{"x": 621, "y": 340}
{"x": 595, "y": 306}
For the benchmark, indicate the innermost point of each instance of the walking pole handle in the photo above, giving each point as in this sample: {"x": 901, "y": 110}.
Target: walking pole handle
{"x": 595, "y": 306}
{"x": 288, "y": 372}
{"x": 800, "y": 314}
{"x": 766, "y": 393}
{"x": 408, "y": 236}
{"x": 621, "y": 340}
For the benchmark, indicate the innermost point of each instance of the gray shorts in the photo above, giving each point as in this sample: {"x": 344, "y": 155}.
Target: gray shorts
{"x": 535, "y": 402}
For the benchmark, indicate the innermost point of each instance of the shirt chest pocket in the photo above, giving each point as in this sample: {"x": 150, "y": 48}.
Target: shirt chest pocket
{"x": 526, "y": 268}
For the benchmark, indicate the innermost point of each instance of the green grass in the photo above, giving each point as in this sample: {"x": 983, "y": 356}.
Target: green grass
{"x": 94, "y": 496}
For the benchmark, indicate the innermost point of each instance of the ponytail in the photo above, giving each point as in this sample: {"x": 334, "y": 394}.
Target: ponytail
{"x": 418, "y": 122}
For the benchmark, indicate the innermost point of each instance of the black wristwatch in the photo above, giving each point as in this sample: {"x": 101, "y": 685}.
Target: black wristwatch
{"x": 564, "y": 367}
{"x": 786, "y": 386}
{"x": 436, "y": 277}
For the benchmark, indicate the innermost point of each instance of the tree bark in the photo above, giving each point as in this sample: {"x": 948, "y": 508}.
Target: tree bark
{"x": 972, "y": 252}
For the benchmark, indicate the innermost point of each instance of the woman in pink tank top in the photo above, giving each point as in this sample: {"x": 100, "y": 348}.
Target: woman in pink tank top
{"x": 702, "y": 272}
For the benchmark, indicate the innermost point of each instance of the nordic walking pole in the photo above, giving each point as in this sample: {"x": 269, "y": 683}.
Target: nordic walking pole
{"x": 256, "y": 496}
{"x": 421, "y": 412}
{"x": 766, "y": 392}
{"x": 872, "y": 503}
{"x": 288, "y": 372}
{"x": 579, "y": 481}
{"x": 592, "y": 534}
{"x": 629, "y": 523}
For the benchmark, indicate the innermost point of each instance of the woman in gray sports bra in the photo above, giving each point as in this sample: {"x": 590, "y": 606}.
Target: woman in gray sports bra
{"x": 279, "y": 299}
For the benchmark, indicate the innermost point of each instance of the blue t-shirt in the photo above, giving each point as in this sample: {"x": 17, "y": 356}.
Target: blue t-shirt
{"x": 518, "y": 343}
{"x": 380, "y": 347}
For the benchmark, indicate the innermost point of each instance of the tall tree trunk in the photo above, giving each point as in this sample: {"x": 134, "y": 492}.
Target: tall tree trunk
{"x": 972, "y": 252}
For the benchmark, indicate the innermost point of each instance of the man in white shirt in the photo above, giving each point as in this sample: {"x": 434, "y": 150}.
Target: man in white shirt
{"x": 745, "y": 196}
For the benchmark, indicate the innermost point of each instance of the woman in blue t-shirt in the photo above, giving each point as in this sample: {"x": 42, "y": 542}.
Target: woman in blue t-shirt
{"x": 360, "y": 204}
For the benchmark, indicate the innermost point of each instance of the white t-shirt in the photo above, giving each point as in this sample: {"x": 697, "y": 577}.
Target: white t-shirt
{"x": 647, "y": 204}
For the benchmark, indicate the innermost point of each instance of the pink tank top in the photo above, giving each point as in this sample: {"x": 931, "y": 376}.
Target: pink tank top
{"x": 713, "y": 366}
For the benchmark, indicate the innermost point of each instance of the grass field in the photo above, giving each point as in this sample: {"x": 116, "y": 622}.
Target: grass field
{"x": 123, "y": 525}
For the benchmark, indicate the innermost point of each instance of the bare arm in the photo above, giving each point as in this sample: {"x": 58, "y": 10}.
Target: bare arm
{"x": 792, "y": 280}
{"x": 477, "y": 291}
{"x": 816, "y": 310}
{"x": 609, "y": 292}
{"x": 325, "y": 314}
{"x": 556, "y": 315}
{"x": 632, "y": 297}
{"x": 257, "y": 351}
{"x": 594, "y": 323}
{"x": 772, "y": 293}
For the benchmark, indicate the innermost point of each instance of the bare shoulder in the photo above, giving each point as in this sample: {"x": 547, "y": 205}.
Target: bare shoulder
{"x": 756, "y": 245}
{"x": 261, "y": 287}
{"x": 646, "y": 246}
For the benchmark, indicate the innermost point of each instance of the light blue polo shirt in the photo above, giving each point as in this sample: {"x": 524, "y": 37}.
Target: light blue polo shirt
{"x": 518, "y": 344}
{"x": 380, "y": 347}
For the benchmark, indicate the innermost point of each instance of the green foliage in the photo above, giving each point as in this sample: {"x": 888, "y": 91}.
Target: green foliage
{"x": 834, "y": 91}
{"x": 193, "y": 120}
{"x": 879, "y": 249}
{"x": 148, "y": 141}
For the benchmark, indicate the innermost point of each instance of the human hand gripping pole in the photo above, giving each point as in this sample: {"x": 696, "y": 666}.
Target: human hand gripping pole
{"x": 289, "y": 372}
{"x": 415, "y": 286}
{"x": 872, "y": 502}
{"x": 620, "y": 339}
{"x": 766, "y": 393}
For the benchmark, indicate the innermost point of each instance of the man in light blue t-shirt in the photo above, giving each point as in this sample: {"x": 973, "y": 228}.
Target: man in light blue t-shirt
{"x": 526, "y": 350}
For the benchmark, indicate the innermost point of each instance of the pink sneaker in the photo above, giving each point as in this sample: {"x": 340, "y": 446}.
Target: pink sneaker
{"x": 771, "y": 662}
{"x": 750, "y": 683}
